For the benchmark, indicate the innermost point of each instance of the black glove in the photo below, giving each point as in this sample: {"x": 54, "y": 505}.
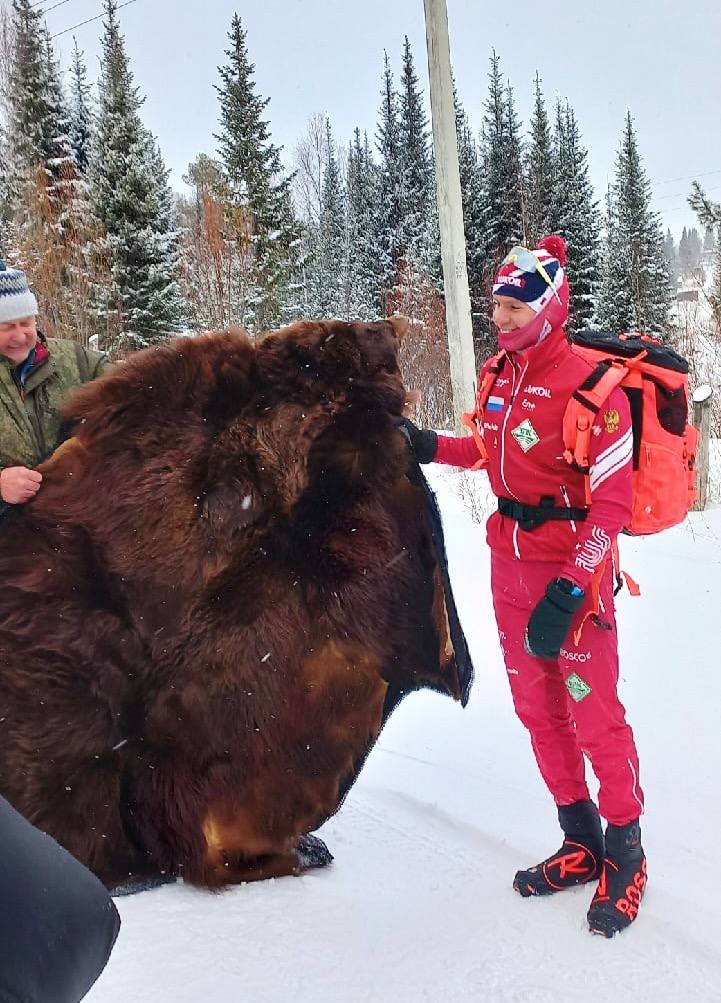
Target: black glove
{"x": 551, "y": 619}
{"x": 423, "y": 441}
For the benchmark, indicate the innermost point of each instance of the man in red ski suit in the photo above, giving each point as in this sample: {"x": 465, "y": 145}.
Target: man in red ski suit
{"x": 552, "y": 579}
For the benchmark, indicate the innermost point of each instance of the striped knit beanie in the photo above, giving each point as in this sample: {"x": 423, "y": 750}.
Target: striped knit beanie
{"x": 531, "y": 287}
{"x": 16, "y": 299}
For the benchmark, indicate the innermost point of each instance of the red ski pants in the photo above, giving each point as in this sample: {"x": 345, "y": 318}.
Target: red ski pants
{"x": 570, "y": 706}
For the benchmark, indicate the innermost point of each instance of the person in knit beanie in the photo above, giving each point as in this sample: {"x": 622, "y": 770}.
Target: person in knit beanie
{"x": 35, "y": 375}
{"x": 528, "y": 305}
{"x": 552, "y": 578}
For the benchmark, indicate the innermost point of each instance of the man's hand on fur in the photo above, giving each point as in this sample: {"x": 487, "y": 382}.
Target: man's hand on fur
{"x": 19, "y": 484}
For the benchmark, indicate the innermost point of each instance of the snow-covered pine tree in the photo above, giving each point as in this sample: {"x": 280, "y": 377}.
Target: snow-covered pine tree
{"x": 67, "y": 268}
{"x": 133, "y": 201}
{"x": 540, "y": 171}
{"x": 416, "y": 168}
{"x": 307, "y": 188}
{"x": 502, "y": 169}
{"x": 364, "y": 276}
{"x": 635, "y": 292}
{"x": 310, "y": 294}
{"x": 6, "y": 208}
{"x": 60, "y": 167}
{"x": 37, "y": 124}
{"x": 30, "y": 131}
{"x": 49, "y": 220}
{"x": 573, "y": 212}
{"x": 434, "y": 261}
{"x": 389, "y": 213}
{"x": 560, "y": 168}
{"x": 695, "y": 248}
{"x": 472, "y": 197}
{"x": 81, "y": 110}
{"x": 261, "y": 206}
{"x": 502, "y": 185}
{"x": 6, "y": 54}
{"x": 683, "y": 252}
{"x": 669, "y": 249}
{"x": 709, "y": 214}
{"x": 689, "y": 251}
{"x": 7, "y": 46}
{"x": 332, "y": 251}
{"x": 513, "y": 148}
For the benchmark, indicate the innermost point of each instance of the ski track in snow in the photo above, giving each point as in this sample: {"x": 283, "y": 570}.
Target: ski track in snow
{"x": 418, "y": 905}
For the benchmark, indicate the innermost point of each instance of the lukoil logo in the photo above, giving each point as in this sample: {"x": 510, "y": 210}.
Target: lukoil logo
{"x": 537, "y": 391}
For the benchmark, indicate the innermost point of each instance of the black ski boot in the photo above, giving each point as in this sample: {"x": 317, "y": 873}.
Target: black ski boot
{"x": 620, "y": 890}
{"x": 579, "y": 860}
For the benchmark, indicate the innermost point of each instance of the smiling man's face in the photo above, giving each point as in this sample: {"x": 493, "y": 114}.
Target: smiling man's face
{"x": 18, "y": 338}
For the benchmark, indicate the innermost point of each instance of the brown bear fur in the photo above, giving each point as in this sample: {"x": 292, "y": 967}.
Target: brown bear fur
{"x": 223, "y": 587}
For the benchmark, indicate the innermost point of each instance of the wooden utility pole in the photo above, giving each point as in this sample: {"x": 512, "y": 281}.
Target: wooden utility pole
{"x": 450, "y": 209}
{"x": 702, "y": 397}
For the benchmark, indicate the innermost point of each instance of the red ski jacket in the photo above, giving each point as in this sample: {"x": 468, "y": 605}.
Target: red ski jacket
{"x": 522, "y": 427}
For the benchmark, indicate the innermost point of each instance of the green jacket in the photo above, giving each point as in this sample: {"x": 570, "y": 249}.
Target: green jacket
{"x": 29, "y": 427}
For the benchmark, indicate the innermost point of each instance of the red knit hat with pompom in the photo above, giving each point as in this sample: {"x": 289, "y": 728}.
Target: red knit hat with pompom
{"x": 556, "y": 246}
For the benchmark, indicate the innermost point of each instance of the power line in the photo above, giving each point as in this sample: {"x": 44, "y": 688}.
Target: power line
{"x": 675, "y": 208}
{"x": 675, "y": 195}
{"x": 48, "y": 9}
{"x": 88, "y": 20}
{"x": 687, "y": 177}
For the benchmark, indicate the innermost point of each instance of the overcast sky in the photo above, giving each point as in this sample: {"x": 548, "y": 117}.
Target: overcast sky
{"x": 652, "y": 56}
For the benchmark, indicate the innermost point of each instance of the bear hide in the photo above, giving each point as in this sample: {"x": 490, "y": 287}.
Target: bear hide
{"x": 226, "y": 582}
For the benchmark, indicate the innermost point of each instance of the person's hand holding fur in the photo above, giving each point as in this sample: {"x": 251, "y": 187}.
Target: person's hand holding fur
{"x": 423, "y": 441}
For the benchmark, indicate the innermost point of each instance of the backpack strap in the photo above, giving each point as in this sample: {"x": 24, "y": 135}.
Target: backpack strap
{"x": 472, "y": 424}
{"x": 491, "y": 372}
{"x": 473, "y": 419}
{"x": 581, "y": 412}
{"x": 592, "y": 606}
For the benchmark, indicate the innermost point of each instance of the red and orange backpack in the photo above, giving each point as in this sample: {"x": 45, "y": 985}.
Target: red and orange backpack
{"x": 655, "y": 381}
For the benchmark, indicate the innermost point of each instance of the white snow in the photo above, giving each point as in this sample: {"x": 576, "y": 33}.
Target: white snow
{"x": 418, "y": 904}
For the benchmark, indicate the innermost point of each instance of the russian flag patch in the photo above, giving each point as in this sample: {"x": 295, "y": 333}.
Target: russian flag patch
{"x": 495, "y": 404}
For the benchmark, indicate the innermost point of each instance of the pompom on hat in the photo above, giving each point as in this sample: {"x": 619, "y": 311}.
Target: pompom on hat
{"x": 16, "y": 299}
{"x": 538, "y": 279}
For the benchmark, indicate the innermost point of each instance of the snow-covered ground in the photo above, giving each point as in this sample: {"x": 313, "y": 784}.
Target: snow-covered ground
{"x": 418, "y": 904}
